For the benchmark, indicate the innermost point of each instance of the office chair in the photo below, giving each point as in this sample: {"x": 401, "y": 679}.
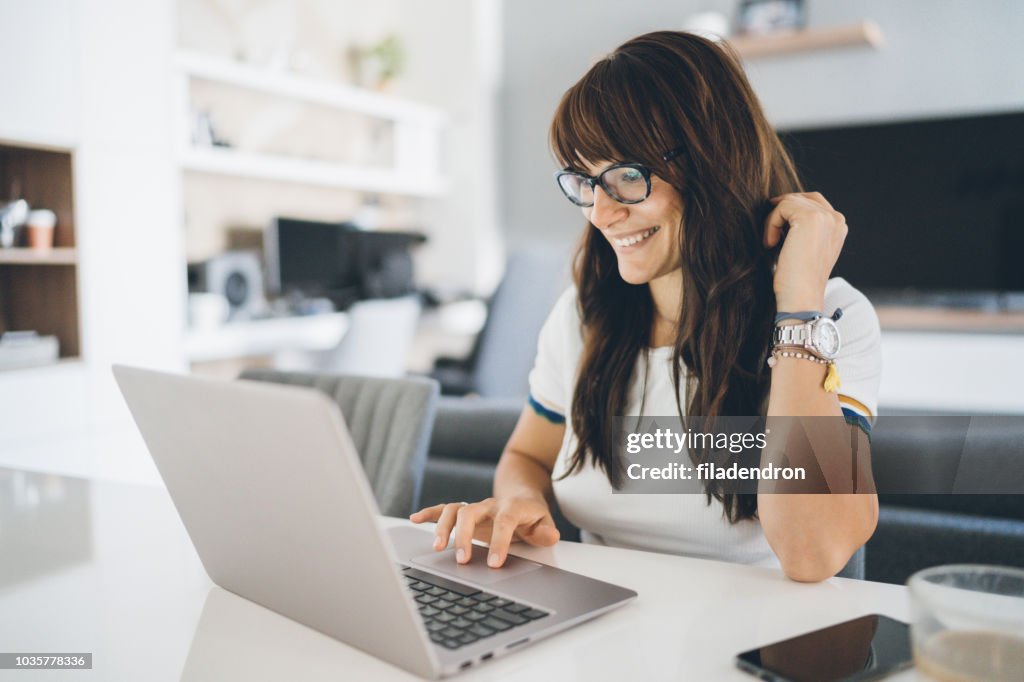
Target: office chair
{"x": 377, "y": 343}
{"x": 499, "y": 364}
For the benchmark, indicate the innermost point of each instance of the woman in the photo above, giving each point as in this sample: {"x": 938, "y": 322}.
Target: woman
{"x": 697, "y": 235}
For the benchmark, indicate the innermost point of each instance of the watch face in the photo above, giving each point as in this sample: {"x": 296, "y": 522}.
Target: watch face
{"x": 826, "y": 338}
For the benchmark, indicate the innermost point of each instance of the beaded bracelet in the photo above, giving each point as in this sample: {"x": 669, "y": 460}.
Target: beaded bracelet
{"x": 831, "y": 383}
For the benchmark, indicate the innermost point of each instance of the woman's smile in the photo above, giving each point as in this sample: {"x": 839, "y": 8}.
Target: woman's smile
{"x": 631, "y": 241}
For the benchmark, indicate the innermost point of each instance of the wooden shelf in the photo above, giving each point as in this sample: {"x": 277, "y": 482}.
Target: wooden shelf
{"x": 909, "y": 318}
{"x": 865, "y": 34}
{"x": 34, "y": 297}
{"x": 55, "y": 256}
{"x": 233, "y": 162}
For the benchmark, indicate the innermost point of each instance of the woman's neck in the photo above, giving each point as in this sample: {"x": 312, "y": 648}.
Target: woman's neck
{"x": 667, "y": 294}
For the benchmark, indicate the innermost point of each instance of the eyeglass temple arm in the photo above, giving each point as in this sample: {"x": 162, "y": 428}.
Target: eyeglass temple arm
{"x": 672, "y": 153}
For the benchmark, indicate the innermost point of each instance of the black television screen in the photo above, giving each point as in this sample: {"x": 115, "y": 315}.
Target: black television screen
{"x": 932, "y": 205}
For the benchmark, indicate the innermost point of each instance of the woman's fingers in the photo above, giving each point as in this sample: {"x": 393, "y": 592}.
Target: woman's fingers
{"x": 467, "y": 517}
{"x": 447, "y": 520}
{"x": 788, "y": 207}
{"x": 427, "y": 514}
{"x": 505, "y": 525}
{"x": 542, "y": 534}
{"x": 488, "y": 521}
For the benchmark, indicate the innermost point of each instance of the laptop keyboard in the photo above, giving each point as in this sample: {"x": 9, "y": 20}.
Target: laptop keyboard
{"x": 457, "y": 614}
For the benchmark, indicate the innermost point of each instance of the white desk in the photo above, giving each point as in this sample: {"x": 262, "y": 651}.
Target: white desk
{"x": 107, "y": 568}
{"x": 265, "y": 337}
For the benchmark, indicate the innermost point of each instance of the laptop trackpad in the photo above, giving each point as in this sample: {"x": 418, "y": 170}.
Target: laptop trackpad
{"x": 476, "y": 571}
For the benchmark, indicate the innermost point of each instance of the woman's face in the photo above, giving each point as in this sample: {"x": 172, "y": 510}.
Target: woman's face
{"x": 645, "y": 236}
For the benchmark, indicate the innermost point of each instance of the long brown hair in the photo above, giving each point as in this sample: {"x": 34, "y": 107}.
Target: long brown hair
{"x": 661, "y": 91}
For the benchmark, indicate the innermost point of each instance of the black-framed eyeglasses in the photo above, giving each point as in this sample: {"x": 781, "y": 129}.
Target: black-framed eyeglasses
{"x": 627, "y": 183}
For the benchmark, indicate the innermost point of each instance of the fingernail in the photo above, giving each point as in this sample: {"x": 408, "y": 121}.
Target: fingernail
{"x": 493, "y": 560}
{"x": 460, "y": 556}
{"x": 439, "y": 543}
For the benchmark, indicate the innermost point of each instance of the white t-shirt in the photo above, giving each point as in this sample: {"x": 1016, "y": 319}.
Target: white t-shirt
{"x": 679, "y": 523}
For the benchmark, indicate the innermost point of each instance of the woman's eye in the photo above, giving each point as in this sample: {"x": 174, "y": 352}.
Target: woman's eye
{"x": 632, "y": 175}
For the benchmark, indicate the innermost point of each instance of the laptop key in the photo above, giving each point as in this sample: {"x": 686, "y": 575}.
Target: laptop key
{"x": 533, "y": 614}
{"x": 458, "y": 610}
{"x": 426, "y": 599}
{"x": 481, "y": 630}
{"x": 418, "y": 585}
{"x": 436, "y": 591}
{"x": 516, "y": 608}
{"x": 458, "y": 588}
{"x": 485, "y": 597}
{"x": 437, "y": 637}
{"x": 441, "y": 604}
{"x": 461, "y": 623}
{"x": 434, "y": 626}
{"x": 451, "y": 644}
{"x": 451, "y": 632}
{"x": 467, "y": 602}
{"x": 495, "y": 624}
{"x": 445, "y": 617}
{"x": 513, "y": 618}
{"x": 468, "y": 638}
{"x": 484, "y": 608}
{"x": 450, "y": 596}
{"x": 474, "y": 616}
{"x": 500, "y": 603}
{"x": 428, "y": 611}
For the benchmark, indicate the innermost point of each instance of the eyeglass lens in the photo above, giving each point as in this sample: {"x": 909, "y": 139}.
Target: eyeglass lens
{"x": 624, "y": 184}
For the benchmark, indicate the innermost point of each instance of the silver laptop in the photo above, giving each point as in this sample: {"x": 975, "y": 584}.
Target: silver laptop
{"x": 272, "y": 493}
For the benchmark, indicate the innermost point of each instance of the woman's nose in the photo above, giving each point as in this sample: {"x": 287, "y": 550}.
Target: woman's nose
{"x": 605, "y": 210}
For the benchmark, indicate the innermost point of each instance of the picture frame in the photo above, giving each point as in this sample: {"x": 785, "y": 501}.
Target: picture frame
{"x": 766, "y": 17}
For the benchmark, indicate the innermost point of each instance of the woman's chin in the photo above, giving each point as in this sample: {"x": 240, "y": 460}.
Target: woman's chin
{"x": 633, "y": 275}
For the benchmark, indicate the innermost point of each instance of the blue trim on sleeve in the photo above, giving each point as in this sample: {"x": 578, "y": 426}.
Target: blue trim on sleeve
{"x": 542, "y": 411}
{"x": 857, "y": 419}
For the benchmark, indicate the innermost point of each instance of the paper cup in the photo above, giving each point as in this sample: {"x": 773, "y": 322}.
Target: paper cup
{"x": 40, "y": 227}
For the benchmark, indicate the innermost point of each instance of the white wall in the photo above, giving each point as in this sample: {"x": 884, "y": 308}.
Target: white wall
{"x": 41, "y": 102}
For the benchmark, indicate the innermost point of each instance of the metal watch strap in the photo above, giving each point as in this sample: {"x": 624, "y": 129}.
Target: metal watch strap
{"x": 792, "y": 335}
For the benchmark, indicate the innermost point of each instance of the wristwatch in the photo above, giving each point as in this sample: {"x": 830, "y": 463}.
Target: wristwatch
{"x": 819, "y": 336}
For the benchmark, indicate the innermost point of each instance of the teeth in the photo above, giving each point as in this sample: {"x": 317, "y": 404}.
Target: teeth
{"x": 629, "y": 241}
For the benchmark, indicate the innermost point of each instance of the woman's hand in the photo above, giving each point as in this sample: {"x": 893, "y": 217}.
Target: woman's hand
{"x": 497, "y": 521}
{"x": 813, "y": 241}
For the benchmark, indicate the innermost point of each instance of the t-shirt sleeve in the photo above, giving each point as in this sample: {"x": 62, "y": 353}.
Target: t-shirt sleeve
{"x": 551, "y": 376}
{"x": 860, "y": 354}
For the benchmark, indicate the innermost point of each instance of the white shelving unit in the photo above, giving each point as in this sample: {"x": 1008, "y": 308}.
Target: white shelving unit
{"x": 226, "y": 161}
{"x": 417, "y": 129}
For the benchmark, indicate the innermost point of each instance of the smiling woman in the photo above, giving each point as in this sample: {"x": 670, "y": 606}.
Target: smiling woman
{"x": 697, "y": 234}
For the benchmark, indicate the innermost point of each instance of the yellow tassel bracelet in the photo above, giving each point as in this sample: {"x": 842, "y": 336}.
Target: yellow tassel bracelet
{"x": 831, "y": 383}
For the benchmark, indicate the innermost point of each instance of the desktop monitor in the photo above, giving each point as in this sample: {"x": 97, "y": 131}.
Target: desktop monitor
{"x": 338, "y": 261}
{"x": 310, "y": 259}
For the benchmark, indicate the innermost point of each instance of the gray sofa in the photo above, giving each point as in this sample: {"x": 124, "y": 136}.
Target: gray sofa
{"x": 914, "y": 530}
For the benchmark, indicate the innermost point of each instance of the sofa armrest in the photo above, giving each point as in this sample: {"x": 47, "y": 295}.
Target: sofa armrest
{"x": 473, "y": 429}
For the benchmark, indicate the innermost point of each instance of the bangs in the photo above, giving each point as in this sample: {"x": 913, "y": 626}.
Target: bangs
{"x": 600, "y": 117}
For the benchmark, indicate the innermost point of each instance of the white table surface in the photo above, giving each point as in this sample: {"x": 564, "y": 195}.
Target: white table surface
{"x": 265, "y": 336}
{"x": 107, "y": 568}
